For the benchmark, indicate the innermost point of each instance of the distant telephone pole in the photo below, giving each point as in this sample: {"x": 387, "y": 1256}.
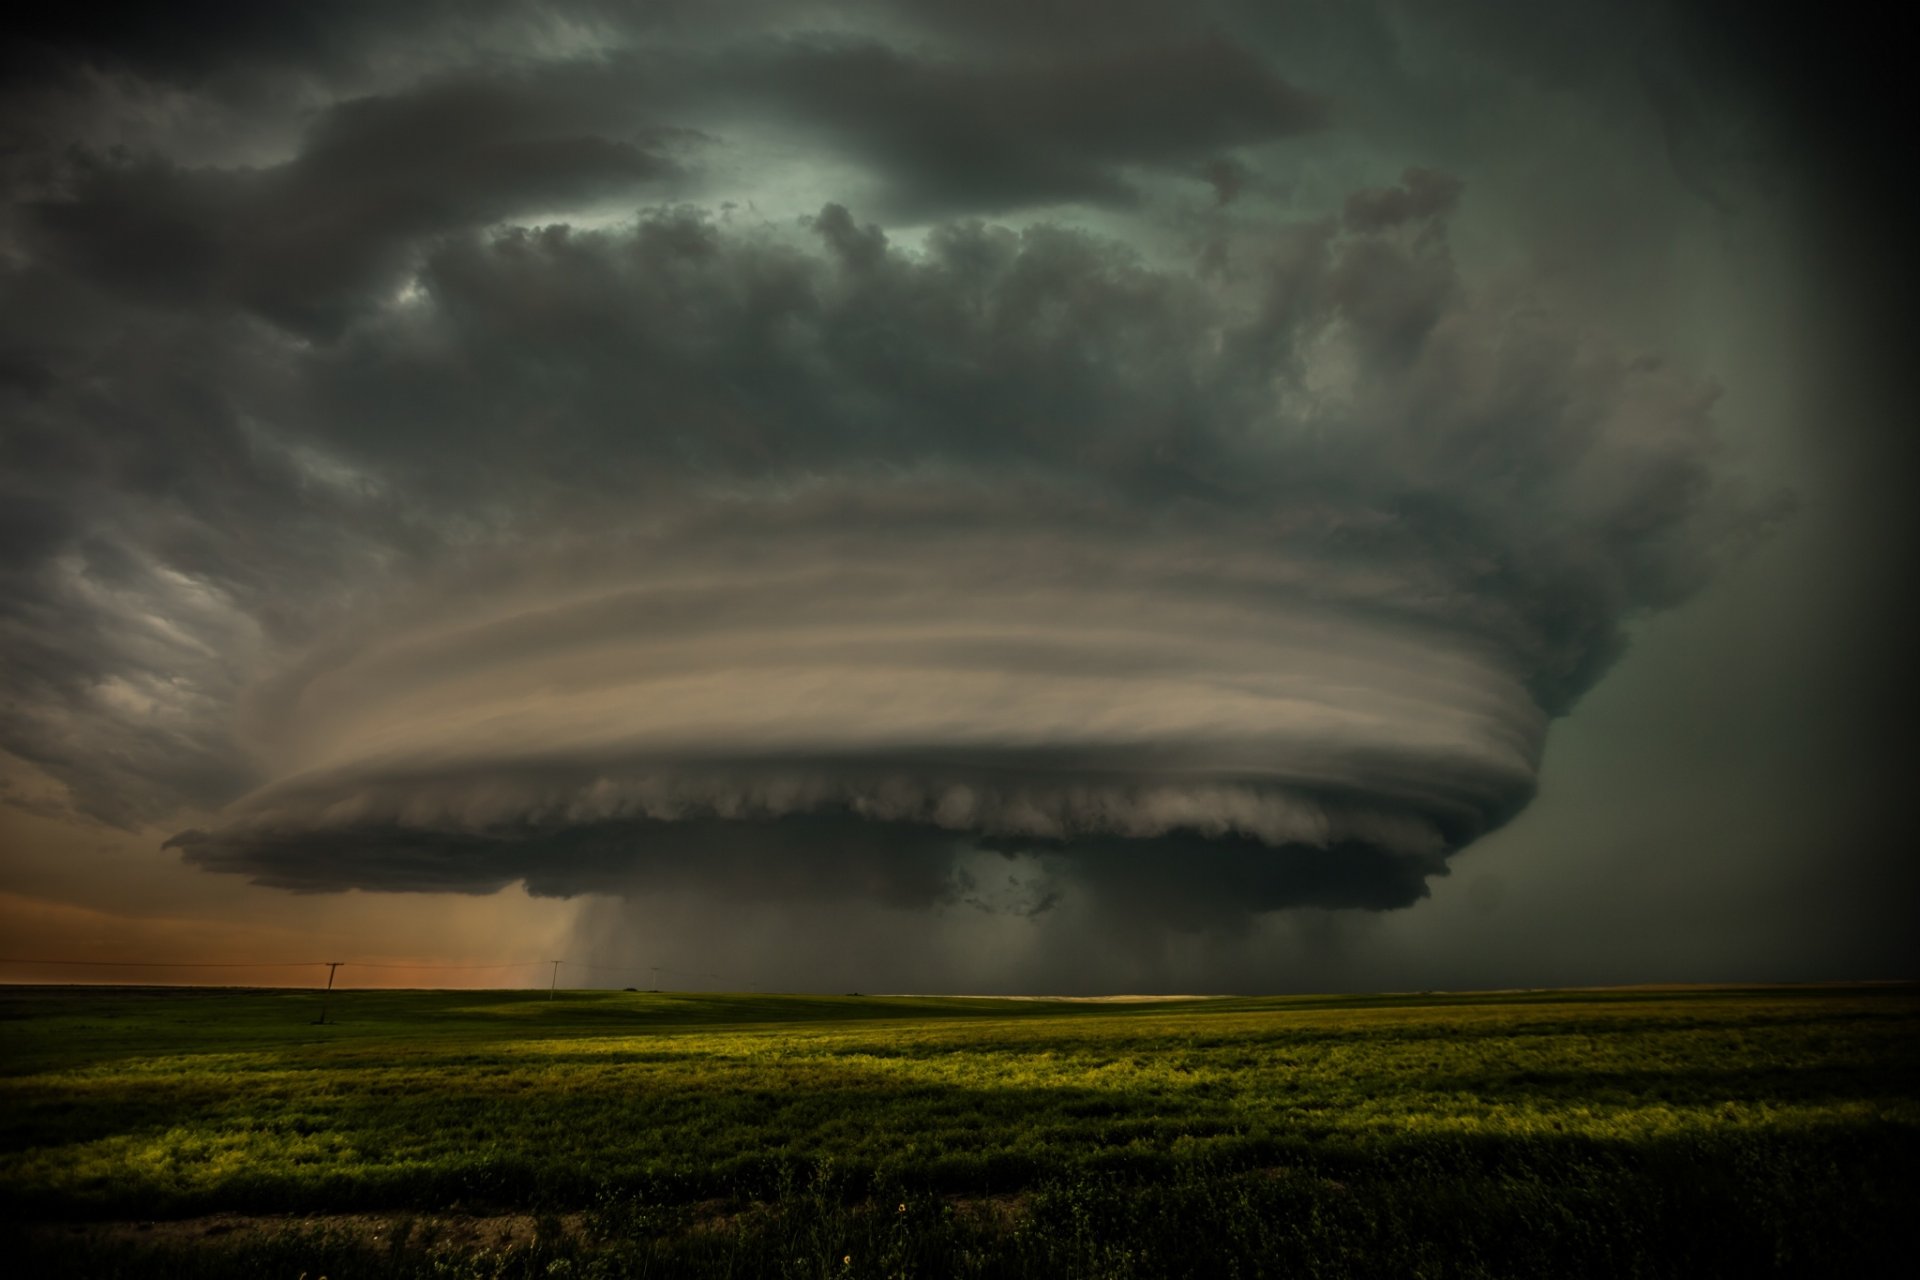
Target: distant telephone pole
{"x": 555, "y": 986}
{"x": 333, "y": 967}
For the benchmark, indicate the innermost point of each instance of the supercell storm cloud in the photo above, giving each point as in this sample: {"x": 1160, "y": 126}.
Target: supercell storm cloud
{"x": 851, "y": 511}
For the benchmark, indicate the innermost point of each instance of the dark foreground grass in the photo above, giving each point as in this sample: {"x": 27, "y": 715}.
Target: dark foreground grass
{"x": 1715, "y": 1133}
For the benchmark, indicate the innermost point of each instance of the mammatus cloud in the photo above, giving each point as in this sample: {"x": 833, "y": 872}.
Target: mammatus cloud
{"x": 426, "y": 538}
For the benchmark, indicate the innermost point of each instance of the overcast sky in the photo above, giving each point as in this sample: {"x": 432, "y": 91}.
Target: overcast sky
{"x": 977, "y": 496}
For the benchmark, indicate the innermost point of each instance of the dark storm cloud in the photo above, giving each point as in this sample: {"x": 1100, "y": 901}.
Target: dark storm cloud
{"x": 1182, "y": 881}
{"x": 152, "y": 535}
{"x": 802, "y": 559}
{"x": 312, "y": 242}
{"x": 988, "y": 137}
{"x": 1424, "y": 195}
{"x": 204, "y": 39}
{"x": 1015, "y": 542}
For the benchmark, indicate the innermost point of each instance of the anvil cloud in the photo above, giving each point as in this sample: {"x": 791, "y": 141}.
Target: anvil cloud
{"x": 388, "y": 493}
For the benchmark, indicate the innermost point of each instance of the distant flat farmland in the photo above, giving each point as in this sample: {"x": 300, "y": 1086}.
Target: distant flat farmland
{"x": 1681, "y": 1131}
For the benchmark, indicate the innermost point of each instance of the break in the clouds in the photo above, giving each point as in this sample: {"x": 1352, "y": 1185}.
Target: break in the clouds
{"x": 803, "y": 456}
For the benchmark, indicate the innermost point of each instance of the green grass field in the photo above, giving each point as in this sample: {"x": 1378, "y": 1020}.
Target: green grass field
{"x": 1685, "y": 1132}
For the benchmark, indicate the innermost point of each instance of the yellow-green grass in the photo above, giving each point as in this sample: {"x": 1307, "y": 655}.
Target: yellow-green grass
{"x": 1787, "y": 1112}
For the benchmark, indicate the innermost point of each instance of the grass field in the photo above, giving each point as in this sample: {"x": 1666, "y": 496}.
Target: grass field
{"x": 1657, "y": 1132}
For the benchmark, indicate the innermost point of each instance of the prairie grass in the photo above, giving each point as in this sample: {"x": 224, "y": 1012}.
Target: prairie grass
{"x": 1715, "y": 1132}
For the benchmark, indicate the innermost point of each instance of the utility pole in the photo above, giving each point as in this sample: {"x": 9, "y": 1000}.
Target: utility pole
{"x": 656, "y": 975}
{"x": 333, "y": 967}
{"x": 555, "y": 986}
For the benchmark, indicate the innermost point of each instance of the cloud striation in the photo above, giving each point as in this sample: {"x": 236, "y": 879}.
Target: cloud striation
{"x": 425, "y": 545}
{"x": 1011, "y": 543}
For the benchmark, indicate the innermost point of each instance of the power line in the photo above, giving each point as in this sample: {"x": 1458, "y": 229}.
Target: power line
{"x": 511, "y": 964}
{"x": 182, "y": 964}
{"x": 333, "y": 966}
{"x": 261, "y": 964}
